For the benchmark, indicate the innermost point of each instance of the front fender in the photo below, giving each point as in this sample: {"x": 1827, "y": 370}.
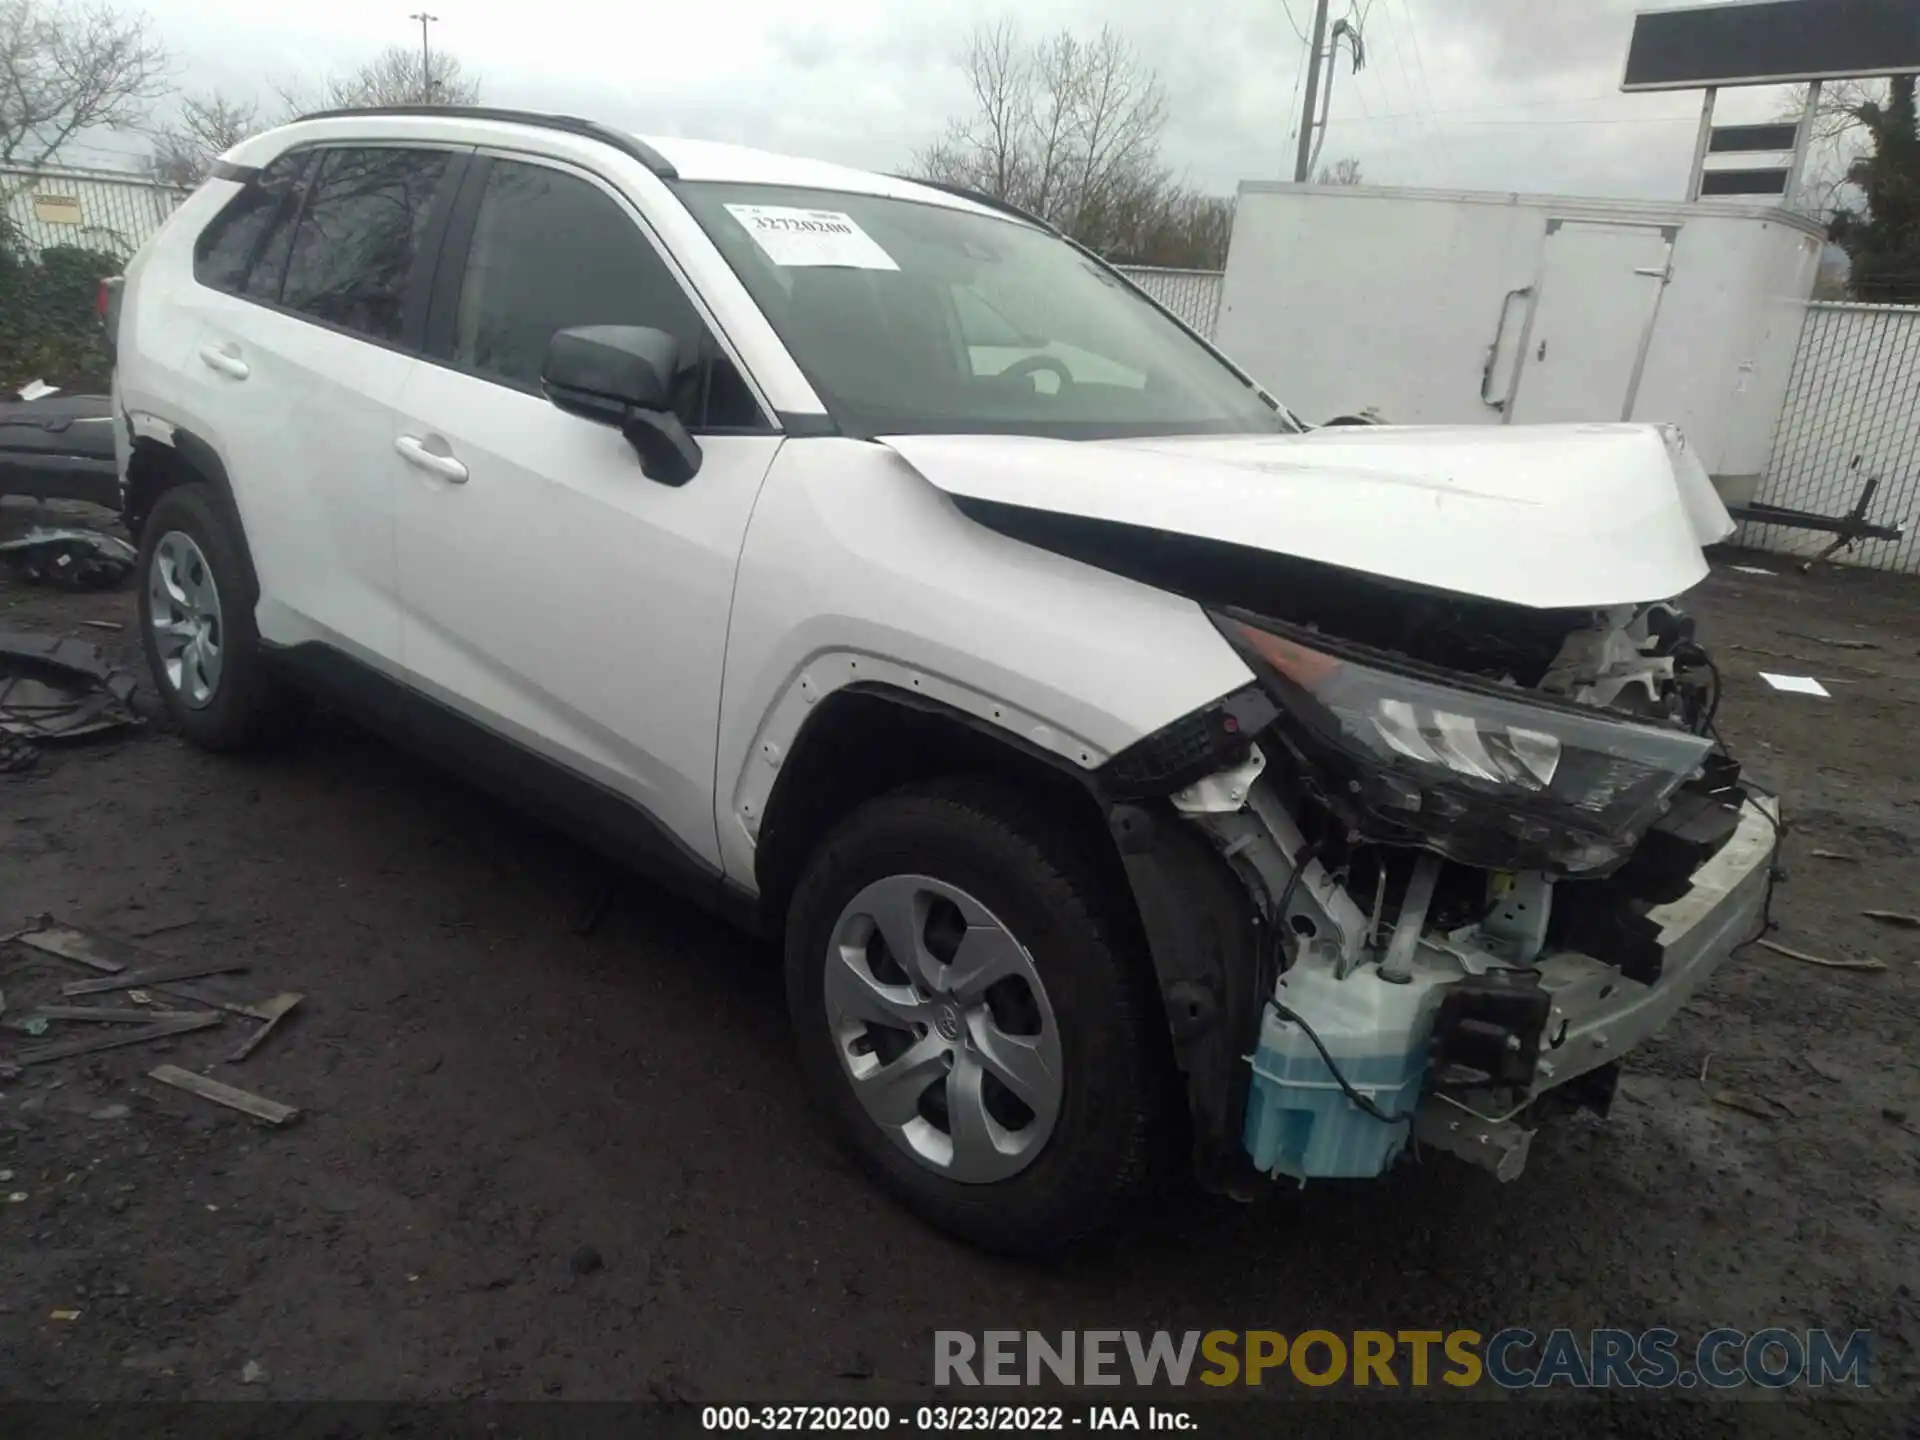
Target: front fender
{"x": 856, "y": 570}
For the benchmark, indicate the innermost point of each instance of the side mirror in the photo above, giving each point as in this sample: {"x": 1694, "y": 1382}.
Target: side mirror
{"x": 622, "y": 375}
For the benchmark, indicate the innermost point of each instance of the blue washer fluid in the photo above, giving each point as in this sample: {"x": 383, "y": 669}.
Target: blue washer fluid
{"x": 1299, "y": 1121}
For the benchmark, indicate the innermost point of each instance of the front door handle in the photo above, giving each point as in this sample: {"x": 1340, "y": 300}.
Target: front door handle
{"x": 227, "y": 362}
{"x": 414, "y": 451}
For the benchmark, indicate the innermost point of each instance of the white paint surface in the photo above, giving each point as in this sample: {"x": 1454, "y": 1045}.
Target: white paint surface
{"x": 1340, "y": 298}
{"x": 1541, "y": 515}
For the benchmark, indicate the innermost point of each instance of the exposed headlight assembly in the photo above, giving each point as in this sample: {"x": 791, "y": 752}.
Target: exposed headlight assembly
{"x": 1488, "y": 776}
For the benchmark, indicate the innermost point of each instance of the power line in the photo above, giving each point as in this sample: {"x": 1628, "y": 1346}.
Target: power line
{"x": 1428, "y": 137}
{"x": 1299, "y": 34}
{"x": 1617, "y": 120}
{"x": 1440, "y": 136}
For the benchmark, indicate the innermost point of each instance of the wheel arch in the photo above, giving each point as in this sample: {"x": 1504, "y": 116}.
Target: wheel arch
{"x": 1180, "y": 903}
{"x": 156, "y": 465}
{"x": 865, "y": 739}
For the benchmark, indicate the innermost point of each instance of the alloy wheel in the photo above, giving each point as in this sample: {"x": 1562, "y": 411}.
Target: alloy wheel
{"x": 184, "y": 610}
{"x": 943, "y": 1028}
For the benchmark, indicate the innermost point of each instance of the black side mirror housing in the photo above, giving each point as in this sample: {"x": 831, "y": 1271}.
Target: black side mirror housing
{"x": 622, "y": 375}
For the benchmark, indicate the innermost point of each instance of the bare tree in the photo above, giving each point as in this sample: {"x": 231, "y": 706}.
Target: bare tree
{"x": 1068, "y": 129}
{"x": 393, "y": 77}
{"x": 1185, "y": 230}
{"x": 1838, "y": 137}
{"x": 69, "y": 69}
{"x": 1344, "y": 171}
{"x": 207, "y": 127}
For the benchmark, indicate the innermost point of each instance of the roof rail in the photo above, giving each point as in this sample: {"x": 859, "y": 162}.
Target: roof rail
{"x": 591, "y": 129}
{"x": 980, "y": 197}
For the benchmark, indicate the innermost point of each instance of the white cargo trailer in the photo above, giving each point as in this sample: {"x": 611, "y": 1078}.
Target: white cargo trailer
{"x": 1457, "y": 307}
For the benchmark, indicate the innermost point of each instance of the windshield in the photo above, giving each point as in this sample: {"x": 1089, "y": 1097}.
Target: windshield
{"x": 913, "y": 318}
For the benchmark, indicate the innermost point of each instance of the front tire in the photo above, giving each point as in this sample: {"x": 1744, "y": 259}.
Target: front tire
{"x": 197, "y": 627}
{"x": 970, "y": 1009}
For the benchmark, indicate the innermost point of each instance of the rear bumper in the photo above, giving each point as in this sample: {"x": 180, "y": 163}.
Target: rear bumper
{"x": 1598, "y": 1015}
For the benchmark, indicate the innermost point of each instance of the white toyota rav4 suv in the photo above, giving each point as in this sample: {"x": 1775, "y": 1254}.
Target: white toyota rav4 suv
{"x": 1140, "y": 778}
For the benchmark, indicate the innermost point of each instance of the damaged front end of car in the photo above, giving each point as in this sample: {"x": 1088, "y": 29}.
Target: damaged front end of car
{"x": 1482, "y": 863}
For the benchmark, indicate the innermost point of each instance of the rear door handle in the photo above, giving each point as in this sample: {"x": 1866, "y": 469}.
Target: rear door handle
{"x": 225, "y": 361}
{"x": 414, "y": 451}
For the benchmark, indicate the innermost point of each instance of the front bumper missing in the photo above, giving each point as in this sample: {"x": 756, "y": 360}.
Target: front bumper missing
{"x": 1598, "y": 1015}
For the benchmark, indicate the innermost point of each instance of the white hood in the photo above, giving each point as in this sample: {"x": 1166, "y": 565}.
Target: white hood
{"x": 1574, "y": 516}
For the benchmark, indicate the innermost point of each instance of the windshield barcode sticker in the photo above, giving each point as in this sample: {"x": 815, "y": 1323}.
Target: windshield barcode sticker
{"x": 795, "y": 237}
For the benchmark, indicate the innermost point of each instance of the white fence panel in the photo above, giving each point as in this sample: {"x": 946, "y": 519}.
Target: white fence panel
{"x": 1193, "y": 295}
{"x": 97, "y": 209}
{"x": 1852, "y": 413}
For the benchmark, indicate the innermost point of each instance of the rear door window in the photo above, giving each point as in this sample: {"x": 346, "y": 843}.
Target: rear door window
{"x": 244, "y": 250}
{"x": 359, "y": 239}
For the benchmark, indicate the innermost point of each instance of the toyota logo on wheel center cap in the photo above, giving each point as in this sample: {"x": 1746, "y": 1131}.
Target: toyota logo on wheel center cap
{"x": 947, "y": 1018}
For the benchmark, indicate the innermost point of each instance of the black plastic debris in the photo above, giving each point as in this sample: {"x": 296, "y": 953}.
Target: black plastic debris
{"x": 71, "y": 559}
{"x": 54, "y": 688}
{"x": 59, "y": 447}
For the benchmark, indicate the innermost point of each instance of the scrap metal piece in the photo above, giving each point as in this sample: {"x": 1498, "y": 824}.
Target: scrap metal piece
{"x": 57, "y": 688}
{"x": 67, "y": 1049}
{"x": 1223, "y": 792}
{"x": 258, "y": 1106}
{"x": 73, "y": 559}
{"x": 193, "y": 970}
{"x": 274, "y": 1011}
{"x": 1518, "y": 919}
{"x": 1499, "y": 1145}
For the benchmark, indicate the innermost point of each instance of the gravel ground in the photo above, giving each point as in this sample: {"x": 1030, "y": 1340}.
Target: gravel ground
{"x": 533, "y": 1164}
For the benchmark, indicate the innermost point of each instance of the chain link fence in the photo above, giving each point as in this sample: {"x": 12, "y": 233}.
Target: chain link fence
{"x": 106, "y": 210}
{"x": 1193, "y": 295}
{"x": 61, "y": 232}
{"x": 1851, "y": 414}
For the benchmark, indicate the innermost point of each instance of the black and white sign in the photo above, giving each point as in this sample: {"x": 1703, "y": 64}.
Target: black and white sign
{"x": 1772, "y": 42}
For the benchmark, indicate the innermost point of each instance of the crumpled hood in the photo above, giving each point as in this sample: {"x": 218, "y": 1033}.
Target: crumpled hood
{"x": 1547, "y": 516}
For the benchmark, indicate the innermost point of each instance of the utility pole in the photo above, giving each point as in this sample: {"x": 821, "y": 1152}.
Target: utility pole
{"x": 1303, "y": 158}
{"x": 426, "y": 57}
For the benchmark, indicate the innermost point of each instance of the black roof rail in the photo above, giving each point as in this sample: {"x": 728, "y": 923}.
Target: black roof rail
{"x": 591, "y": 129}
{"x": 980, "y": 197}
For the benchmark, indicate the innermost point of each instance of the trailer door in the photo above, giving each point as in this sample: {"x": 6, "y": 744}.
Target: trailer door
{"x": 1586, "y": 338}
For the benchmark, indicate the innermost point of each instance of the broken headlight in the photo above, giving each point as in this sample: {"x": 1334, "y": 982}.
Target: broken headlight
{"x": 1487, "y": 776}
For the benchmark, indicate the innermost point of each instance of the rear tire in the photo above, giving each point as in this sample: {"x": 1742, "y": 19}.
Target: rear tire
{"x": 197, "y": 628}
{"x": 977, "y": 860}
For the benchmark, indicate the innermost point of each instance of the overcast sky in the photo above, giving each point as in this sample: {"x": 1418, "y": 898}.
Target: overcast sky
{"x": 1482, "y": 94}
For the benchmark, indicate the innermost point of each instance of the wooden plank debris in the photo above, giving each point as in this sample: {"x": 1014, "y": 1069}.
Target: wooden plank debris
{"x": 1894, "y": 917}
{"x": 180, "y": 990}
{"x": 274, "y": 1011}
{"x": 107, "y": 1015}
{"x": 96, "y": 952}
{"x": 258, "y": 1106}
{"x": 192, "y": 970}
{"x": 112, "y": 1040}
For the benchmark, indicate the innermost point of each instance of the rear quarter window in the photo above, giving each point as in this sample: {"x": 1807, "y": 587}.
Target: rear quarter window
{"x": 244, "y": 249}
